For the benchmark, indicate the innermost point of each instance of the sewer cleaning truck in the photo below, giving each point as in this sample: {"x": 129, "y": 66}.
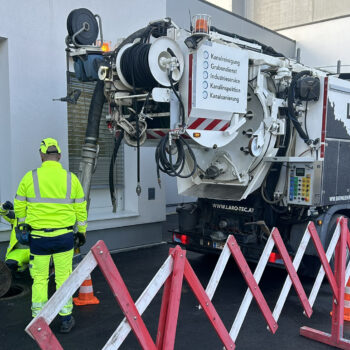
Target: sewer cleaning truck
{"x": 259, "y": 138}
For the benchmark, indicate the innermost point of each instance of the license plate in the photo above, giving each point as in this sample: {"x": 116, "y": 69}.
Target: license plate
{"x": 218, "y": 245}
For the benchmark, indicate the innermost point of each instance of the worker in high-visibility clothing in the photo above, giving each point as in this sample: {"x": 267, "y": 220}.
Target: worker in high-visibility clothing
{"x": 51, "y": 201}
{"x": 17, "y": 255}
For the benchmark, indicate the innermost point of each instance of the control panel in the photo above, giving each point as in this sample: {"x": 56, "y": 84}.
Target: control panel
{"x": 301, "y": 180}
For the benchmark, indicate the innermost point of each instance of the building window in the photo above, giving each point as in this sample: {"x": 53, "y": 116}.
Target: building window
{"x": 77, "y": 122}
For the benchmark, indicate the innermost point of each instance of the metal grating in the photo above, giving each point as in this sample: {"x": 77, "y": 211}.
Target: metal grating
{"x": 77, "y": 122}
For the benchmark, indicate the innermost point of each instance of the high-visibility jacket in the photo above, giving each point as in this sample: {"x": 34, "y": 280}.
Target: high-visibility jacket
{"x": 15, "y": 251}
{"x": 51, "y": 198}
{"x": 9, "y": 216}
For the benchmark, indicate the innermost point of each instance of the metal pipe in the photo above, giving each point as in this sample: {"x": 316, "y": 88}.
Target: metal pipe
{"x": 298, "y": 55}
{"x": 338, "y": 66}
{"x": 90, "y": 147}
{"x": 89, "y": 157}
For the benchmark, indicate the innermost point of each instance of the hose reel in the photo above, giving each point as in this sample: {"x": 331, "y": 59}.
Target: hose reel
{"x": 83, "y": 28}
{"x": 145, "y": 66}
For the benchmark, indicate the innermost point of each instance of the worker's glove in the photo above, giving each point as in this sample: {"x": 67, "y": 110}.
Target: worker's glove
{"x": 5, "y": 207}
{"x": 23, "y": 233}
{"x": 79, "y": 239}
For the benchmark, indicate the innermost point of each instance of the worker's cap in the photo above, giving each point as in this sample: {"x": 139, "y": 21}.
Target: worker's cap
{"x": 49, "y": 142}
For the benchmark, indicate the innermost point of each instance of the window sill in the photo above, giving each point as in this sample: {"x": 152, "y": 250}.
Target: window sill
{"x": 97, "y": 214}
{"x": 4, "y": 227}
{"x": 5, "y": 231}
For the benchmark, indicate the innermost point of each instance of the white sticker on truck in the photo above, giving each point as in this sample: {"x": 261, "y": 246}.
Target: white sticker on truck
{"x": 220, "y": 79}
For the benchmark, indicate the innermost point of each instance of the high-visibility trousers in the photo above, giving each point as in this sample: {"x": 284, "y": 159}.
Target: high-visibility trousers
{"x": 17, "y": 259}
{"x": 60, "y": 248}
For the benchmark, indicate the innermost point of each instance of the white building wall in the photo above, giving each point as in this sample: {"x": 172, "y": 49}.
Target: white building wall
{"x": 323, "y": 44}
{"x": 32, "y": 73}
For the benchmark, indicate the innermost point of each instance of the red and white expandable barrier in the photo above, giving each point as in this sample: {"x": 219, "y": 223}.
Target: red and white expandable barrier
{"x": 176, "y": 268}
{"x": 337, "y": 284}
{"x": 172, "y": 273}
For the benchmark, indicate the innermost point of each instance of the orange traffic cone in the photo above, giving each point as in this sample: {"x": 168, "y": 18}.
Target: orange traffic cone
{"x": 86, "y": 294}
{"x": 347, "y": 302}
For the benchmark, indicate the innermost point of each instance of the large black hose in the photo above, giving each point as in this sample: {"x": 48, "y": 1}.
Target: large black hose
{"x": 164, "y": 158}
{"x": 291, "y": 110}
{"x": 95, "y": 113}
{"x": 268, "y": 50}
{"x": 142, "y": 33}
{"x": 135, "y": 67}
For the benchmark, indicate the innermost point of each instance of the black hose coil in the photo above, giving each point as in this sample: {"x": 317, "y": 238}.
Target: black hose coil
{"x": 164, "y": 157}
{"x": 135, "y": 67}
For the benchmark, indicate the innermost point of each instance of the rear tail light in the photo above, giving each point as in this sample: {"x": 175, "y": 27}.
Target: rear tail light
{"x": 181, "y": 238}
{"x": 275, "y": 258}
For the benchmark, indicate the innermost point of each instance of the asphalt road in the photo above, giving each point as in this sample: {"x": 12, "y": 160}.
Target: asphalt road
{"x": 95, "y": 323}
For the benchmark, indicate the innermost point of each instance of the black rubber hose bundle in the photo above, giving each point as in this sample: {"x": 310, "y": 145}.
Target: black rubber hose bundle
{"x": 291, "y": 111}
{"x": 117, "y": 142}
{"x": 135, "y": 67}
{"x": 164, "y": 157}
{"x": 268, "y": 50}
{"x": 95, "y": 113}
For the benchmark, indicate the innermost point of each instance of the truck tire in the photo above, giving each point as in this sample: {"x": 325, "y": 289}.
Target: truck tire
{"x": 5, "y": 279}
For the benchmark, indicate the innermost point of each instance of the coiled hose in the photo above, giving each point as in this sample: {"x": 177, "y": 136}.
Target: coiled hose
{"x": 291, "y": 111}
{"x": 135, "y": 67}
{"x": 164, "y": 157}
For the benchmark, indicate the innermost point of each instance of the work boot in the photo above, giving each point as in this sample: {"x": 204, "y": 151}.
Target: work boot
{"x": 67, "y": 324}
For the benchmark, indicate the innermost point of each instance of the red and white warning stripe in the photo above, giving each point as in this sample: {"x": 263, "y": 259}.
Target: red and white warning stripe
{"x": 208, "y": 124}
{"x": 155, "y": 134}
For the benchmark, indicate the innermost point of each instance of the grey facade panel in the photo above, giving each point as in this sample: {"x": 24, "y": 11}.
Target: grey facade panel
{"x": 117, "y": 238}
{"x": 178, "y": 11}
{"x": 125, "y": 237}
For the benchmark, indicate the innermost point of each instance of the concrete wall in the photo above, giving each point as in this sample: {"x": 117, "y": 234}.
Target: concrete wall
{"x": 32, "y": 73}
{"x": 322, "y": 44}
{"x": 276, "y": 14}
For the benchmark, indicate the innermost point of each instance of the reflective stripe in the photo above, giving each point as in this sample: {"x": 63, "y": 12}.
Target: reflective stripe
{"x": 69, "y": 185}
{"x": 347, "y": 303}
{"x": 50, "y": 200}
{"x": 20, "y": 198}
{"x": 86, "y": 289}
{"x": 67, "y": 309}
{"x": 347, "y": 290}
{"x": 21, "y": 219}
{"x": 36, "y": 308}
{"x": 38, "y": 198}
{"x": 81, "y": 223}
{"x": 79, "y": 200}
{"x": 36, "y": 183}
